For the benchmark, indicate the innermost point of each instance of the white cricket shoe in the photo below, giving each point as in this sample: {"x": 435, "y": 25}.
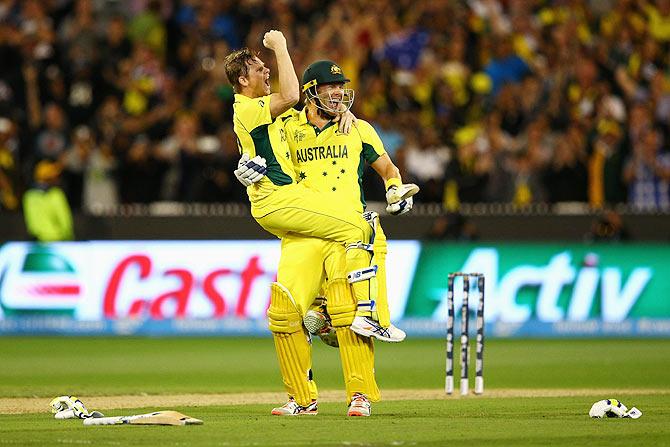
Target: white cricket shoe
{"x": 359, "y": 406}
{"x": 367, "y": 327}
{"x": 291, "y": 408}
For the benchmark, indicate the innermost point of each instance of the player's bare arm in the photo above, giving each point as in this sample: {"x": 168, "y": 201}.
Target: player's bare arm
{"x": 386, "y": 169}
{"x": 398, "y": 195}
{"x": 289, "y": 91}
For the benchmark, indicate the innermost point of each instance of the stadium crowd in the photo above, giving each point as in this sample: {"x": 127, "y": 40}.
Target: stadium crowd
{"x": 513, "y": 101}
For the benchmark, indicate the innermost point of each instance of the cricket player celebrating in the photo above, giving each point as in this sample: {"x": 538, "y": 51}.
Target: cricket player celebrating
{"x": 284, "y": 207}
{"x": 278, "y": 203}
{"x": 331, "y": 162}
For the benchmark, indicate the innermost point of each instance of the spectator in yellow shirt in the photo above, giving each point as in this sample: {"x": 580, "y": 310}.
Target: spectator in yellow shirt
{"x": 46, "y": 209}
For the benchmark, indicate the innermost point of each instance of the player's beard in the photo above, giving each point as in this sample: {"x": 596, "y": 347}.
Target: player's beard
{"x": 342, "y": 104}
{"x": 325, "y": 115}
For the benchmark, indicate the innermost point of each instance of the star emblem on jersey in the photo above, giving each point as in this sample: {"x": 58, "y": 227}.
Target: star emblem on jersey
{"x": 325, "y": 173}
{"x": 334, "y": 162}
{"x": 302, "y": 175}
{"x": 342, "y": 171}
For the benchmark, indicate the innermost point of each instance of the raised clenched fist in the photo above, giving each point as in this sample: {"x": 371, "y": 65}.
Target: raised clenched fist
{"x": 274, "y": 40}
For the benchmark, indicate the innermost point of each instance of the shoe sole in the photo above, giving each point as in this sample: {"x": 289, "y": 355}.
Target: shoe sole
{"x": 305, "y": 413}
{"x": 357, "y": 413}
{"x": 368, "y": 333}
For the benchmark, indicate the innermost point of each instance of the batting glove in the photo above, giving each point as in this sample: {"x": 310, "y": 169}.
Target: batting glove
{"x": 70, "y": 407}
{"x": 250, "y": 171}
{"x": 61, "y": 403}
{"x": 399, "y": 208}
{"x": 397, "y": 192}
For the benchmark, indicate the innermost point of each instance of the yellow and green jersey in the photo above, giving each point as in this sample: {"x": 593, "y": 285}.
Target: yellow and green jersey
{"x": 259, "y": 134}
{"x": 331, "y": 162}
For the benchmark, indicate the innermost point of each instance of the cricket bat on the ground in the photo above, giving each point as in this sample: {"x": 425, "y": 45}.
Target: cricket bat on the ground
{"x": 165, "y": 417}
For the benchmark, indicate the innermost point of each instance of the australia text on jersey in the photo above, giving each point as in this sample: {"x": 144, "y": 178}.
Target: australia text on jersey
{"x": 321, "y": 152}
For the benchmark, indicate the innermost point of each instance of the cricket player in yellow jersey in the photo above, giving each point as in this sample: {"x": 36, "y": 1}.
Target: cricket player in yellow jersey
{"x": 332, "y": 162}
{"x": 278, "y": 203}
{"x": 284, "y": 207}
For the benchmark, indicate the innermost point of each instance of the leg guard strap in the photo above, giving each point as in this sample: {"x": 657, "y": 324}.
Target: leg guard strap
{"x": 368, "y": 307}
{"x": 361, "y": 246}
{"x": 362, "y": 274}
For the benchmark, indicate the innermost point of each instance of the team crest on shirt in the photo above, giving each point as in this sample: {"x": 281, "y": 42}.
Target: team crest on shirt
{"x": 298, "y": 135}
{"x": 334, "y": 69}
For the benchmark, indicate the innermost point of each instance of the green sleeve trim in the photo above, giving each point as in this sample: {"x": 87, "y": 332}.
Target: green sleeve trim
{"x": 261, "y": 138}
{"x": 369, "y": 153}
{"x": 361, "y": 168}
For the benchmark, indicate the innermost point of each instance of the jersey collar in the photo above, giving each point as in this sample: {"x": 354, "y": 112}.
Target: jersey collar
{"x": 302, "y": 119}
{"x": 242, "y": 98}
{"x": 302, "y": 116}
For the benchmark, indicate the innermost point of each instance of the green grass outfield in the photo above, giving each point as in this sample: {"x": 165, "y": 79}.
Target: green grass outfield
{"x": 36, "y": 369}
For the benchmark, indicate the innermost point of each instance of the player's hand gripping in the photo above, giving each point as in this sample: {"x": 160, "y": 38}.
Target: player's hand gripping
{"x": 274, "y": 40}
{"x": 345, "y": 121}
{"x": 399, "y": 198}
{"x": 250, "y": 171}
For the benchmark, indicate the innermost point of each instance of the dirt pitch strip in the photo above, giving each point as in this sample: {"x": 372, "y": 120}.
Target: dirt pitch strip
{"x": 19, "y": 405}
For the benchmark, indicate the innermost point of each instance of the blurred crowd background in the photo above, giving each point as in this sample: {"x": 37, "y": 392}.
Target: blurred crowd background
{"x": 506, "y": 101}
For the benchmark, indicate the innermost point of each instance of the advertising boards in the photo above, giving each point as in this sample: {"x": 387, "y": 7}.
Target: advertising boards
{"x": 222, "y": 287}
